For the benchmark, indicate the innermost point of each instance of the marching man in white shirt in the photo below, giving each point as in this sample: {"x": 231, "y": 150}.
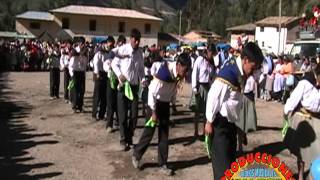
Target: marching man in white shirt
{"x": 64, "y": 63}
{"x": 302, "y": 115}
{"x": 161, "y": 90}
{"x": 54, "y": 64}
{"x": 202, "y": 75}
{"x": 112, "y": 83}
{"x": 99, "y": 106}
{"x": 128, "y": 65}
{"x": 77, "y": 69}
{"x": 224, "y": 104}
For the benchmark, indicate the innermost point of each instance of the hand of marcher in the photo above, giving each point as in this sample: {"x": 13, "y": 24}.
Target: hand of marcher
{"x": 195, "y": 90}
{"x": 95, "y": 77}
{"x": 144, "y": 83}
{"x": 154, "y": 116}
{"x": 286, "y": 116}
{"x": 208, "y": 128}
{"x": 122, "y": 78}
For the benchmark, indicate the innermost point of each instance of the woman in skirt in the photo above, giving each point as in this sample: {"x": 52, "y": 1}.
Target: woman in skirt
{"x": 302, "y": 114}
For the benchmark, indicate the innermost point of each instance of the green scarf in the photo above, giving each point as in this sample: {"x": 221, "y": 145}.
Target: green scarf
{"x": 128, "y": 91}
{"x": 150, "y": 123}
{"x": 208, "y": 145}
{"x": 71, "y": 85}
{"x": 285, "y": 127}
{"x": 113, "y": 80}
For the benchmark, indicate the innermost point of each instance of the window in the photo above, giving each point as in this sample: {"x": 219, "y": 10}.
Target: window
{"x": 122, "y": 27}
{"x": 277, "y": 29}
{"x": 34, "y": 25}
{"x": 92, "y": 25}
{"x": 261, "y": 29}
{"x": 65, "y": 23}
{"x": 147, "y": 28}
{"x": 262, "y": 43}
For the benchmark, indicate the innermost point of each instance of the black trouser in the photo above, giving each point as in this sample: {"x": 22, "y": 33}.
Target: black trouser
{"x": 286, "y": 93}
{"x": 163, "y": 114}
{"x": 66, "y": 83}
{"x": 78, "y": 90}
{"x": 111, "y": 104}
{"x": 224, "y": 145}
{"x": 124, "y": 104}
{"x": 277, "y": 95}
{"x": 144, "y": 99}
{"x": 201, "y": 100}
{"x": 100, "y": 95}
{"x": 54, "y": 82}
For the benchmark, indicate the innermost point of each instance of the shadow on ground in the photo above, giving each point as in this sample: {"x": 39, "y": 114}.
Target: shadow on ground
{"x": 16, "y": 137}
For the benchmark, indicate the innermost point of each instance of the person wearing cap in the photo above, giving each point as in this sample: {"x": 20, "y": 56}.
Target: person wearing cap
{"x": 162, "y": 89}
{"x": 112, "y": 83}
{"x": 154, "y": 56}
{"x": 99, "y": 106}
{"x": 112, "y": 90}
{"x": 128, "y": 65}
{"x": 77, "y": 69}
{"x": 202, "y": 76}
{"x": 224, "y": 103}
{"x": 302, "y": 114}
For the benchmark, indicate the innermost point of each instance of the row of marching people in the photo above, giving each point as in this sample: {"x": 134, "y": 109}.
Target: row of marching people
{"x": 73, "y": 61}
{"x": 118, "y": 72}
{"x": 224, "y": 95}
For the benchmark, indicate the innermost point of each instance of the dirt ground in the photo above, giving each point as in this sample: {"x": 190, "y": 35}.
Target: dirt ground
{"x": 43, "y": 139}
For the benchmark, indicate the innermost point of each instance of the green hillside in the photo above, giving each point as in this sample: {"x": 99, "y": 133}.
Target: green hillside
{"x": 213, "y": 15}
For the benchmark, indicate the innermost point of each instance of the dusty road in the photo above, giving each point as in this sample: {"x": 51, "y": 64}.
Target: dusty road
{"x": 42, "y": 139}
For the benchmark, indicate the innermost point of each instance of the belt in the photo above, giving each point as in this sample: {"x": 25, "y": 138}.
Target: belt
{"x": 308, "y": 114}
{"x": 204, "y": 84}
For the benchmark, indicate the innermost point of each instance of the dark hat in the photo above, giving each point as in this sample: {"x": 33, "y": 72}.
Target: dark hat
{"x": 212, "y": 48}
{"x": 287, "y": 58}
{"x": 110, "y": 39}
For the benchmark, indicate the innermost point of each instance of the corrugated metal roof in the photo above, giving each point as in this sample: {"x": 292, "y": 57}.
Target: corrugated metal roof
{"x": 275, "y": 20}
{"x": 205, "y": 34}
{"x": 36, "y": 15}
{"x": 244, "y": 27}
{"x": 8, "y": 34}
{"x": 102, "y": 11}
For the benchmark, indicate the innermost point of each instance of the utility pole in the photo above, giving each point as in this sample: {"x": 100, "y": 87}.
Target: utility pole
{"x": 280, "y": 9}
{"x": 180, "y": 13}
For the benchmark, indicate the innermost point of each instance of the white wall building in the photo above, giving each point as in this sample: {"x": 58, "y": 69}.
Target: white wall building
{"x": 89, "y": 21}
{"x": 267, "y": 33}
{"x": 241, "y": 31}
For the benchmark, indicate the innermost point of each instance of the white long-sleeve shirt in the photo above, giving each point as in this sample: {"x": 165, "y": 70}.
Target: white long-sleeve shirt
{"x": 161, "y": 90}
{"x": 129, "y": 63}
{"x": 202, "y": 72}
{"x": 223, "y": 99}
{"x": 77, "y": 63}
{"x": 250, "y": 85}
{"x": 98, "y": 60}
{"x": 307, "y": 94}
{"x": 64, "y": 61}
{"x": 107, "y": 63}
